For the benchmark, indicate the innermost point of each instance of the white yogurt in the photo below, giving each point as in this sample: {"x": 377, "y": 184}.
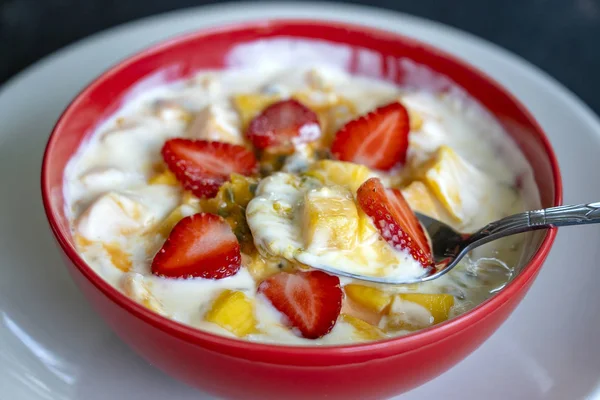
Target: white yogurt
{"x": 113, "y": 209}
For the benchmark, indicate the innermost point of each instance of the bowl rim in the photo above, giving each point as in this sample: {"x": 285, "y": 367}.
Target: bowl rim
{"x": 296, "y": 354}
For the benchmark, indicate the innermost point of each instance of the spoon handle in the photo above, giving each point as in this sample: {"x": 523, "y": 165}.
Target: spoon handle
{"x": 578, "y": 214}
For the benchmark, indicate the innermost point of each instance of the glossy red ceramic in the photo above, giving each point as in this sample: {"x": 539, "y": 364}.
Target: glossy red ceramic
{"x": 239, "y": 369}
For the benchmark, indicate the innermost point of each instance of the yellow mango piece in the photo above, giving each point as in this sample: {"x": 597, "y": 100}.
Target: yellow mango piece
{"x": 165, "y": 177}
{"x": 261, "y": 267}
{"x": 230, "y": 203}
{"x": 316, "y": 100}
{"x": 369, "y": 297}
{"x": 362, "y": 329}
{"x": 330, "y": 219}
{"x": 138, "y": 288}
{"x": 118, "y": 257}
{"x": 251, "y": 104}
{"x": 439, "y": 305}
{"x": 420, "y": 198}
{"x": 416, "y": 121}
{"x": 239, "y": 190}
{"x": 341, "y": 173}
{"x": 233, "y": 311}
{"x": 189, "y": 199}
{"x": 457, "y": 184}
{"x": 82, "y": 242}
{"x": 167, "y": 224}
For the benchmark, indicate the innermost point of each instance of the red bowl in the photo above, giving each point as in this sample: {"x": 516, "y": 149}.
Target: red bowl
{"x": 235, "y": 368}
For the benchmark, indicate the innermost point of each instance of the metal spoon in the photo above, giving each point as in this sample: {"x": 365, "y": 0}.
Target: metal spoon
{"x": 449, "y": 246}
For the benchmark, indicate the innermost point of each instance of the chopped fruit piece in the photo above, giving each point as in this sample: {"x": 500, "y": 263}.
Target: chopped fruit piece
{"x": 189, "y": 199}
{"x": 169, "y": 110}
{"x": 261, "y": 267}
{"x": 283, "y": 125}
{"x": 118, "y": 257}
{"x": 363, "y": 330}
{"x": 233, "y": 311}
{"x": 341, "y": 173}
{"x": 439, "y": 305}
{"x": 316, "y": 100}
{"x": 201, "y": 245}
{"x": 217, "y": 122}
{"x": 250, "y": 105}
{"x": 81, "y": 242}
{"x": 136, "y": 287}
{"x": 334, "y": 117}
{"x": 354, "y": 309}
{"x": 416, "y": 121}
{"x": 458, "y": 185}
{"x": 202, "y": 166}
{"x": 372, "y": 298}
{"x": 110, "y": 216}
{"x": 311, "y": 300}
{"x": 167, "y": 225}
{"x": 421, "y": 199}
{"x": 271, "y": 162}
{"x": 230, "y": 203}
{"x": 330, "y": 219}
{"x": 378, "y": 140}
{"x": 395, "y": 220}
{"x": 164, "y": 178}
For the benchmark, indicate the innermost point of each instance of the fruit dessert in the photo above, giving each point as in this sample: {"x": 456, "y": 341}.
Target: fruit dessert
{"x": 208, "y": 201}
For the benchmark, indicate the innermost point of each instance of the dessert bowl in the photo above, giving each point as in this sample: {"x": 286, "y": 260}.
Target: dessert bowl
{"x": 235, "y": 368}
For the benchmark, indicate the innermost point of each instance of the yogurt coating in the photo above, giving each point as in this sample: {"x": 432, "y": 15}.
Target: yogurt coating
{"x": 117, "y": 210}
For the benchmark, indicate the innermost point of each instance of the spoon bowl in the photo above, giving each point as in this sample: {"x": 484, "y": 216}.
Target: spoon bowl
{"x": 448, "y": 246}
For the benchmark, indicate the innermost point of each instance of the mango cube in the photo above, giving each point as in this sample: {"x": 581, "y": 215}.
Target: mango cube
{"x": 167, "y": 224}
{"x": 457, "y": 184}
{"x": 439, "y": 305}
{"x": 330, "y": 219}
{"x": 262, "y": 267}
{"x": 362, "y": 329}
{"x": 233, "y": 311}
{"x": 230, "y": 203}
{"x": 165, "y": 177}
{"x": 416, "y": 121}
{"x": 118, "y": 257}
{"x": 341, "y": 173}
{"x": 249, "y": 106}
{"x": 420, "y": 198}
{"x": 369, "y": 297}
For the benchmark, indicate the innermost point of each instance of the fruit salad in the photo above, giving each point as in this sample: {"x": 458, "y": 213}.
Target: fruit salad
{"x": 210, "y": 200}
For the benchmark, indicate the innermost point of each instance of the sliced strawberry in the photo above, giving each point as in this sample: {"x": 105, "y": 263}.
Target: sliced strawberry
{"x": 282, "y": 125}
{"x": 201, "y": 245}
{"x": 311, "y": 300}
{"x": 203, "y": 166}
{"x": 378, "y": 140}
{"x": 394, "y": 219}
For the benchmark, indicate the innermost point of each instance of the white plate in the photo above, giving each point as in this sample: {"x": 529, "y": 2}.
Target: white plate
{"x": 53, "y": 346}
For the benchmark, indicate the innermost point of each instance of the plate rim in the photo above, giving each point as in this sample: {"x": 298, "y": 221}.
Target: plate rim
{"x": 524, "y": 67}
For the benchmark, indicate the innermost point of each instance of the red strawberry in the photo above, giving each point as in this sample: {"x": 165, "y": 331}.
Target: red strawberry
{"x": 310, "y": 300}
{"x": 201, "y": 245}
{"x": 378, "y": 140}
{"x": 396, "y": 222}
{"x": 283, "y": 124}
{"x": 203, "y": 166}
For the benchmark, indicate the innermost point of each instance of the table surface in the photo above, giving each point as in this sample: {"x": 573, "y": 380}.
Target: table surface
{"x": 559, "y": 36}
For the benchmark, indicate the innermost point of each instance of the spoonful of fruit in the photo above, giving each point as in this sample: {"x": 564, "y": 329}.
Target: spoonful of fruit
{"x": 400, "y": 227}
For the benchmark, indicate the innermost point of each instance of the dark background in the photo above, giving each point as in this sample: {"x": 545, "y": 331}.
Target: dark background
{"x": 562, "y": 37}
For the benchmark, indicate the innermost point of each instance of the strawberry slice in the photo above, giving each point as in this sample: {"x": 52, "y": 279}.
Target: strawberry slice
{"x": 201, "y": 245}
{"x": 378, "y": 140}
{"x": 282, "y": 125}
{"x": 311, "y": 300}
{"x": 203, "y": 166}
{"x": 395, "y": 220}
